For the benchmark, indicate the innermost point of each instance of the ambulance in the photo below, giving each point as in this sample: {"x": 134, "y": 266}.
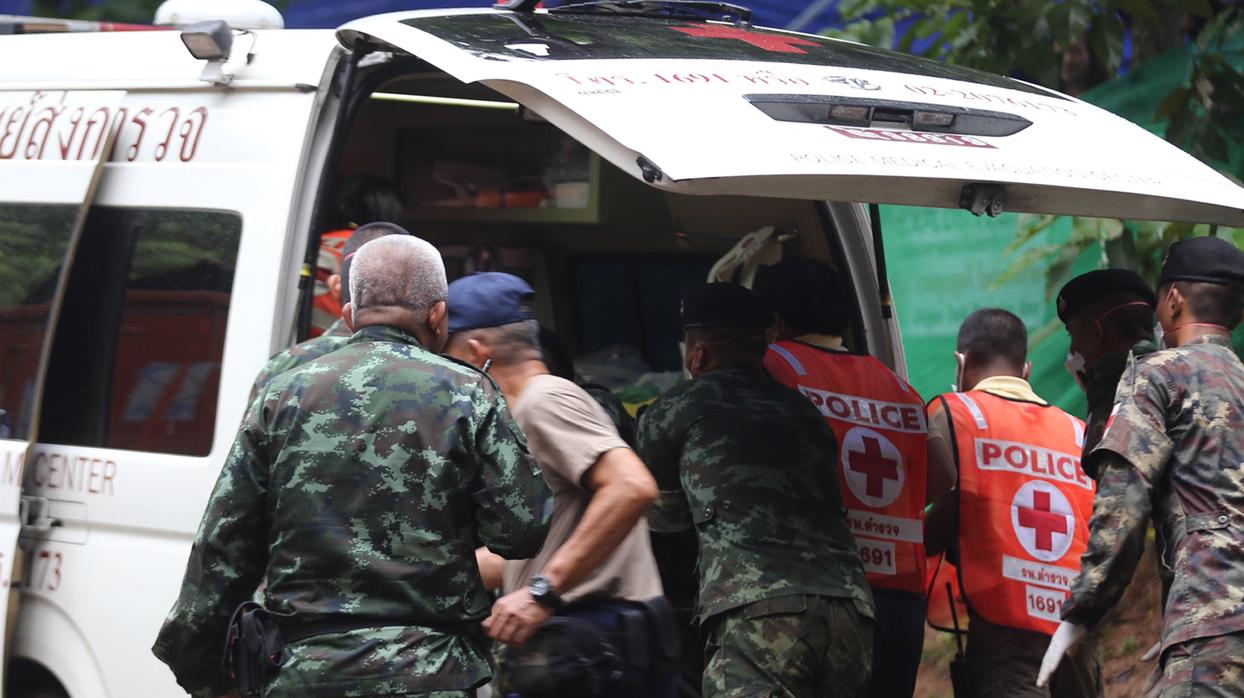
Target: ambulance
{"x": 162, "y": 194}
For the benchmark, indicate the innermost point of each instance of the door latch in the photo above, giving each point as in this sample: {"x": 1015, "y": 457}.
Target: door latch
{"x": 35, "y": 514}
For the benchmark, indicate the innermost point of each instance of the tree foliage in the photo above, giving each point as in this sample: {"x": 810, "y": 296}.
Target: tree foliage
{"x": 128, "y": 11}
{"x": 1204, "y": 115}
{"x": 131, "y": 11}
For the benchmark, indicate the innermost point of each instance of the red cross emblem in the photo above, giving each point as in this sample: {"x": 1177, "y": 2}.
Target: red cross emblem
{"x": 1042, "y": 520}
{"x": 873, "y": 464}
{"x": 777, "y": 43}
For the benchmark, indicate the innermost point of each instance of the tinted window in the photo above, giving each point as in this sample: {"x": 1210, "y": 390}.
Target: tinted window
{"x": 33, "y": 241}
{"x": 136, "y": 361}
{"x": 635, "y": 302}
{"x": 503, "y": 36}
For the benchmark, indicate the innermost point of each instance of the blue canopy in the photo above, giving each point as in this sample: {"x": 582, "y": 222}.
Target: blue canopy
{"x": 305, "y": 14}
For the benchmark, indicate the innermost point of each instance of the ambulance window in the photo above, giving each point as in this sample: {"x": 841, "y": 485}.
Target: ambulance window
{"x": 634, "y": 301}
{"x": 137, "y": 355}
{"x": 33, "y": 241}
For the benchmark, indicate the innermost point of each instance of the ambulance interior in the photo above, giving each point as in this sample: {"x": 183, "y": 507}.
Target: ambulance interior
{"x": 496, "y": 187}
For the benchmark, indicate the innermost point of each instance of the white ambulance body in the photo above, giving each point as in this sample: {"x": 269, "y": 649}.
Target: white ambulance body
{"x": 156, "y": 211}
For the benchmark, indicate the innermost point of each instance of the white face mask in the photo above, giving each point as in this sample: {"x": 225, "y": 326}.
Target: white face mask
{"x": 1075, "y": 366}
{"x": 1159, "y": 335}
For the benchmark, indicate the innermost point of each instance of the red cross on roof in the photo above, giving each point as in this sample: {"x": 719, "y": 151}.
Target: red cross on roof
{"x": 874, "y": 465}
{"x": 776, "y": 43}
{"x": 1040, "y": 518}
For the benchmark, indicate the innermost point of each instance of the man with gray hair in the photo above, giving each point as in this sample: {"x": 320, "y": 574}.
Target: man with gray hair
{"x": 360, "y": 485}
{"x": 597, "y": 561}
{"x": 337, "y": 334}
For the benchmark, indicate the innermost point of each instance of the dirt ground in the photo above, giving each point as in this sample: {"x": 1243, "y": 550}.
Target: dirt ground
{"x": 1126, "y": 634}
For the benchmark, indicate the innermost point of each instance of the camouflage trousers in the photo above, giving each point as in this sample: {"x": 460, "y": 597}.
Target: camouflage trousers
{"x": 796, "y": 646}
{"x": 1209, "y": 667}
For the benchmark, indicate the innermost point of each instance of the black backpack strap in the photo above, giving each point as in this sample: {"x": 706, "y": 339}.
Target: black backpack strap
{"x": 636, "y": 638}
{"x": 667, "y": 636}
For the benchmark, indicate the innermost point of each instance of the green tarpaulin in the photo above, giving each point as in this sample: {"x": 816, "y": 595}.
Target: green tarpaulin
{"x": 944, "y": 264}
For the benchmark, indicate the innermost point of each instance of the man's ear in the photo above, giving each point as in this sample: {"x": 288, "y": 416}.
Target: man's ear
{"x": 1027, "y": 369}
{"x": 347, "y": 314}
{"x": 1175, "y": 298}
{"x": 697, "y": 358}
{"x": 334, "y": 286}
{"x": 438, "y": 324}
{"x": 480, "y": 352}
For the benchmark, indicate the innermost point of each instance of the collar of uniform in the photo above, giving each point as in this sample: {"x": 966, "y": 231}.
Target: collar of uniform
{"x": 339, "y": 328}
{"x": 1010, "y": 388}
{"x": 384, "y": 333}
{"x": 828, "y": 342}
{"x": 1219, "y": 339}
{"x": 1102, "y": 379}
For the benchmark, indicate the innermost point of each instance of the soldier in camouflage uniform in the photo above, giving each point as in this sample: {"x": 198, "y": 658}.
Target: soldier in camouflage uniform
{"x": 782, "y": 601}
{"x": 1173, "y": 452}
{"x": 337, "y": 334}
{"x": 360, "y": 485}
{"x": 1108, "y": 314}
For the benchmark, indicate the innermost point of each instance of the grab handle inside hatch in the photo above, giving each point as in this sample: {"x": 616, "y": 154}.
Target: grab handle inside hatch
{"x": 885, "y": 113}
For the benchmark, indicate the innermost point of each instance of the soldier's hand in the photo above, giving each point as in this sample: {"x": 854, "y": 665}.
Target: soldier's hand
{"x": 515, "y": 618}
{"x": 1065, "y": 639}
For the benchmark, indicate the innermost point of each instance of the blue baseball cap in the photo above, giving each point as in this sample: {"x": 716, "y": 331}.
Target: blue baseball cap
{"x": 489, "y": 299}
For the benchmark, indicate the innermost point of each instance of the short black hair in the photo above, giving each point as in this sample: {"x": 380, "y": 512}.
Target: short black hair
{"x": 991, "y": 334}
{"x": 807, "y": 294}
{"x": 361, "y": 236}
{"x": 364, "y": 199}
{"x": 1220, "y": 304}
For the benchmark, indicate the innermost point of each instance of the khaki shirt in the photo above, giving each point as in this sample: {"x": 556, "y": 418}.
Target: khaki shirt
{"x": 568, "y": 431}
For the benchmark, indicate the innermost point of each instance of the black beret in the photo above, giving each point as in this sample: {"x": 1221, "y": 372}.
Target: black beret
{"x": 724, "y": 305}
{"x": 1086, "y": 289}
{"x": 1209, "y": 259}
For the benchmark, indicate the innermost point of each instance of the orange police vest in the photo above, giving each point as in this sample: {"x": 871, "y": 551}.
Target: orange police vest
{"x": 1024, "y": 505}
{"x": 879, "y": 422}
{"x": 325, "y": 310}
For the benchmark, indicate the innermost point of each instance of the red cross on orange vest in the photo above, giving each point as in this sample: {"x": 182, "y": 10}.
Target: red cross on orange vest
{"x": 769, "y": 42}
{"x": 874, "y": 465}
{"x": 1045, "y": 522}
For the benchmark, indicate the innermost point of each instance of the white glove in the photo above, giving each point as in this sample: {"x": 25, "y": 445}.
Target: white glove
{"x": 1065, "y": 639}
{"x": 1153, "y": 652}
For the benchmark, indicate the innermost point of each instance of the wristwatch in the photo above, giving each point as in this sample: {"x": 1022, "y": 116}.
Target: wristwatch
{"x": 544, "y": 594}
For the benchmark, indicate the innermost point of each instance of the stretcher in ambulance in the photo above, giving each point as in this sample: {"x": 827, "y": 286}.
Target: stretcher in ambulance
{"x": 160, "y": 214}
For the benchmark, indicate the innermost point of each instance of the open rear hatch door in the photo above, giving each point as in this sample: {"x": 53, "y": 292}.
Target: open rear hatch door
{"x": 702, "y": 107}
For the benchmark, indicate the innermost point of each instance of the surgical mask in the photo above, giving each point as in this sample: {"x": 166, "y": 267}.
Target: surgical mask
{"x": 1159, "y": 335}
{"x": 1075, "y": 366}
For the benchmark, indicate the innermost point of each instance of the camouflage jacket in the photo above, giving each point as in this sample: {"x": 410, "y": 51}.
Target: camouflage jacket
{"x": 751, "y": 465}
{"x": 334, "y": 338}
{"x": 1099, "y": 389}
{"x": 360, "y": 485}
{"x": 1173, "y": 451}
